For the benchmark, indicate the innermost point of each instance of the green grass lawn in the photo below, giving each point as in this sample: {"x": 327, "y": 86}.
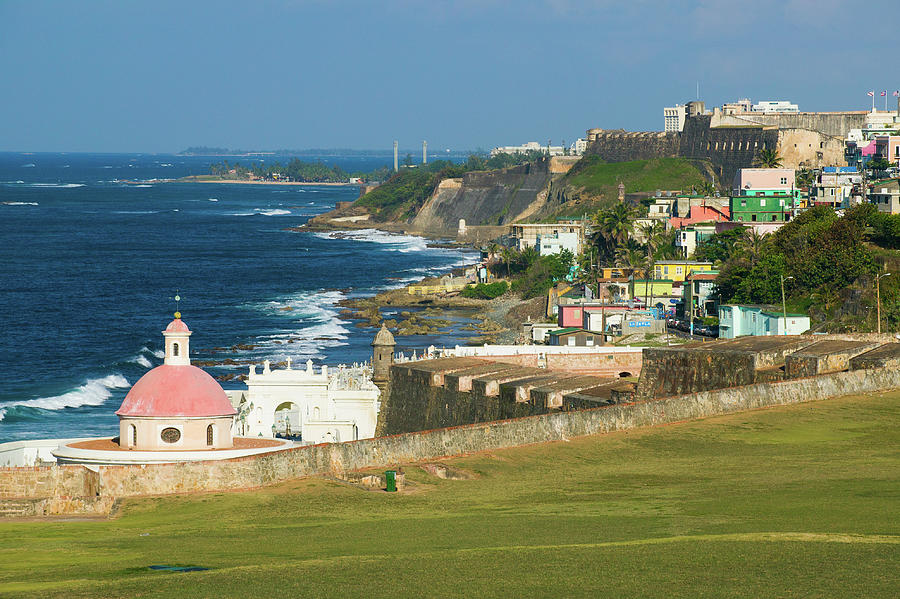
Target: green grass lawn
{"x": 800, "y": 501}
{"x": 637, "y": 175}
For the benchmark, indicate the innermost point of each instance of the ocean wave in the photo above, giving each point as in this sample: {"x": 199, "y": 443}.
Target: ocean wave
{"x": 55, "y": 185}
{"x": 135, "y": 212}
{"x": 92, "y": 393}
{"x": 213, "y": 199}
{"x": 397, "y": 242}
{"x": 20, "y": 203}
{"x": 142, "y": 185}
{"x": 263, "y": 212}
{"x": 29, "y": 165}
{"x": 313, "y": 324}
{"x": 141, "y": 360}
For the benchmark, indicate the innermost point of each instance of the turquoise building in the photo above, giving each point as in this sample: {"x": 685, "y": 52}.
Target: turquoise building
{"x": 742, "y": 320}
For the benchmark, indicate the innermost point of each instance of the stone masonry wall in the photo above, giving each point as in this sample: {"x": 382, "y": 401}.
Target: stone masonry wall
{"x": 384, "y": 452}
{"x": 48, "y": 481}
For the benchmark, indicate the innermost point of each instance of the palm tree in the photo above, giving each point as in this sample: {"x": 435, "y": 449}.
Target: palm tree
{"x": 754, "y": 245}
{"x": 805, "y": 177}
{"x": 707, "y": 188}
{"x": 767, "y": 158}
{"x": 615, "y": 223}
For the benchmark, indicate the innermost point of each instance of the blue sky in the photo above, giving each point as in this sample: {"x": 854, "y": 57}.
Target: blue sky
{"x": 159, "y": 76}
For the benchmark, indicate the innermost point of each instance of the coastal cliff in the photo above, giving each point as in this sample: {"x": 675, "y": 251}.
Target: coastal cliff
{"x": 486, "y": 199}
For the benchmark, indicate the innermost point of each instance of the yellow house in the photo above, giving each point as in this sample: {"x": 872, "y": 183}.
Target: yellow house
{"x": 651, "y": 291}
{"x": 678, "y": 270}
{"x": 618, "y": 272}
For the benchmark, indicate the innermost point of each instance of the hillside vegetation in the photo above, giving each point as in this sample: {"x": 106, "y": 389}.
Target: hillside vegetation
{"x": 593, "y": 177}
{"x": 797, "y": 501}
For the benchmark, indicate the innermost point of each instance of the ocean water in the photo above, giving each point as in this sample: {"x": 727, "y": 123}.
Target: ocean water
{"x": 90, "y": 268}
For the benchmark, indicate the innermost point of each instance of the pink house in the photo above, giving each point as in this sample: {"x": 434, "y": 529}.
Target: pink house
{"x": 572, "y": 315}
{"x": 701, "y": 214}
{"x": 750, "y": 181}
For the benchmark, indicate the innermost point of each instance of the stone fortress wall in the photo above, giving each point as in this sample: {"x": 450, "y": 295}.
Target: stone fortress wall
{"x": 536, "y": 405}
{"x": 731, "y": 142}
{"x": 110, "y": 483}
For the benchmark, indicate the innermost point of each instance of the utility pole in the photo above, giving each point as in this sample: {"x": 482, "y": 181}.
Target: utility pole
{"x": 783, "y": 304}
{"x": 878, "y": 296}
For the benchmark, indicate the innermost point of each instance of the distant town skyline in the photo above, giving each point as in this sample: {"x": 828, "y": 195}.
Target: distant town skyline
{"x": 160, "y": 77}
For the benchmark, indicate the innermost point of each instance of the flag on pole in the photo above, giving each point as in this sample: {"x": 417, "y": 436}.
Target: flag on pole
{"x": 884, "y": 93}
{"x": 897, "y": 93}
{"x": 871, "y": 93}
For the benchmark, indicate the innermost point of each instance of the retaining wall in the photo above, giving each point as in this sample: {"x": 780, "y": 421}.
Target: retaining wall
{"x": 256, "y": 471}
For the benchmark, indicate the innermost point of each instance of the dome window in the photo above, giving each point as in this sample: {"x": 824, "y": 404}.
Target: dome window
{"x": 170, "y": 434}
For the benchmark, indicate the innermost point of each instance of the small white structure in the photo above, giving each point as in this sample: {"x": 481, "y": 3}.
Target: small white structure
{"x": 774, "y": 106}
{"x": 320, "y": 407}
{"x": 554, "y": 244}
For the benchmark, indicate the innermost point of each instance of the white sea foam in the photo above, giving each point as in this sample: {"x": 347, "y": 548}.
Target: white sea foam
{"x": 29, "y": 165}
{"x": 399, "y": 243}
{"x": 142, "y": 185}
{"x": 141, "y": 360}
{"x": 312, "y": 324}
{"x": 20, "y": 203}
{"x": 263, "y": 212}
{"x": 213, "y": 199}
{"x": 56, "y": 185}
{"x": 92, "y": 393}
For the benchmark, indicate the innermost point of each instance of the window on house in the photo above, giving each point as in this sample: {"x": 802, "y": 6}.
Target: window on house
{"x": 762, "y": 203}
{"x": 209, "y": 435}
{"x": 753, "y": 217}
{"x": 743, "y": 203}
{"x": 781, "y": 203}
{"x": 589, "y": 340}
{"x": 774, "y": 217}
{"x": 677, "y": 270}
{"x": 571, "y": 341}
{"x": 784, "y": 180}
{"x": 174, "y": 349}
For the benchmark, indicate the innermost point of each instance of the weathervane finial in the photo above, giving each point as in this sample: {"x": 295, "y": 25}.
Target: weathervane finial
{"x": 177, "y": 299}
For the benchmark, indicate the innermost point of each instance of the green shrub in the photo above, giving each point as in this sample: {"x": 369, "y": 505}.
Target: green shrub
{"x": 485, "y": 290}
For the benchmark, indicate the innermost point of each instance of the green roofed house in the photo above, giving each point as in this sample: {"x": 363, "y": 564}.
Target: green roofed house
{"x": 575, "y": 337}
{"x": 741, "y": 320}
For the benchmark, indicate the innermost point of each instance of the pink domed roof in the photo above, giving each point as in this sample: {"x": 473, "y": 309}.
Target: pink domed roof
{"x": 169, "y": 390}
{"x": 177, "y": 326}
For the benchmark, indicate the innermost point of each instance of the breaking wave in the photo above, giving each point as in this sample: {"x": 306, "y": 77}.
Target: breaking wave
{"x": 20, "y": 203}
{"x": 55, "y": 185}
{"x": 396, "y": 242}
{"x": 312, "y": 324}
{"x": 264, "y": 212}
{"x": 92, "y": 393}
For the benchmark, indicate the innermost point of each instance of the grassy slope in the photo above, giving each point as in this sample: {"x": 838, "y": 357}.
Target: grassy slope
{"x": 593, "y": 178}
{"x": 800, "y": 501}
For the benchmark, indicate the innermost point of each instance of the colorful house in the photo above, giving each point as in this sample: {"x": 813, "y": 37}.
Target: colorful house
{"x": 763, "y": 195}
{"x": 677, "y": 270}
{"x": 741, "y": 320}
{"x": 654, "y": 291}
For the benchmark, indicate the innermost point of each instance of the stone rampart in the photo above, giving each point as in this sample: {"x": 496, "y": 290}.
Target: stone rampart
{"x": 624, "y": 146}
{"x": 382, "y": 452}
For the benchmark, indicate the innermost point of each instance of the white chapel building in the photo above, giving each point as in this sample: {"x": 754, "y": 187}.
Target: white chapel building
{"x": 316, "y": 406}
